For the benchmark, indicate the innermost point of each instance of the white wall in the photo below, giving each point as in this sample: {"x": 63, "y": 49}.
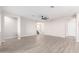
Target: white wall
{"x": 59, "y": 28}
{"x": 56, "y": 27}
{"x": 71, "y": 27}
{"x": 0, "y": 23}
{"x": 0, "y": 26}
{"x": 10, "y": 27}
{"x": 27, "y": 27}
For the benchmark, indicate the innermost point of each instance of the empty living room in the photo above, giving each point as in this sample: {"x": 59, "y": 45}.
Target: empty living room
{"x": 39, "y": 29}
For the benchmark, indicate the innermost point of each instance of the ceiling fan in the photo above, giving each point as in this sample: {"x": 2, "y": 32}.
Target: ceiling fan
{"x": 44, "y": 18}
{"x": 41, "y": 17}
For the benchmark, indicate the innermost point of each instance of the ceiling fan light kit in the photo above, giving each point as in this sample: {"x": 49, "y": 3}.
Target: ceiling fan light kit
{"x": 44, "y": 18}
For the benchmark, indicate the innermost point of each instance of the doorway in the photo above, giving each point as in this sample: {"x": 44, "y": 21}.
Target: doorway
{"x": 39, "y": 28}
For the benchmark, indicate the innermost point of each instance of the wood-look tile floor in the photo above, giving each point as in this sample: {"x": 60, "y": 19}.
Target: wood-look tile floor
{"x": 40, "y": 44}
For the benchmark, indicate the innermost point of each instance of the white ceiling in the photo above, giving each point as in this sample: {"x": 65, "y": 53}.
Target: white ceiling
{"x": 35, "y": 12}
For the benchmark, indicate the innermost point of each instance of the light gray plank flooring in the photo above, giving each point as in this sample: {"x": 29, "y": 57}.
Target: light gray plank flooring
{"x": 40, "y": 44}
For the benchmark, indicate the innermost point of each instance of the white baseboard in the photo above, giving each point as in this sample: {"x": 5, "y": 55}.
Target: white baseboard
{"x": 32, "y": 35}
{"x": 55, "y": 35}
{"x": 10, "y": 37}
{"x": 27, "y": 35}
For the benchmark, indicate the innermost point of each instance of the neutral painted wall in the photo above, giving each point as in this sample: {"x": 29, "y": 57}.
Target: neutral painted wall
{"x": 56, "y": 27}
{"x": 0, "y": 27}
{"x": 71, "y": 27}
{"x": 10, "y": 27}
{"x": 59, "y": 27}
{"x": 27, "y": 27}
{"x": 0, "y": 23}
